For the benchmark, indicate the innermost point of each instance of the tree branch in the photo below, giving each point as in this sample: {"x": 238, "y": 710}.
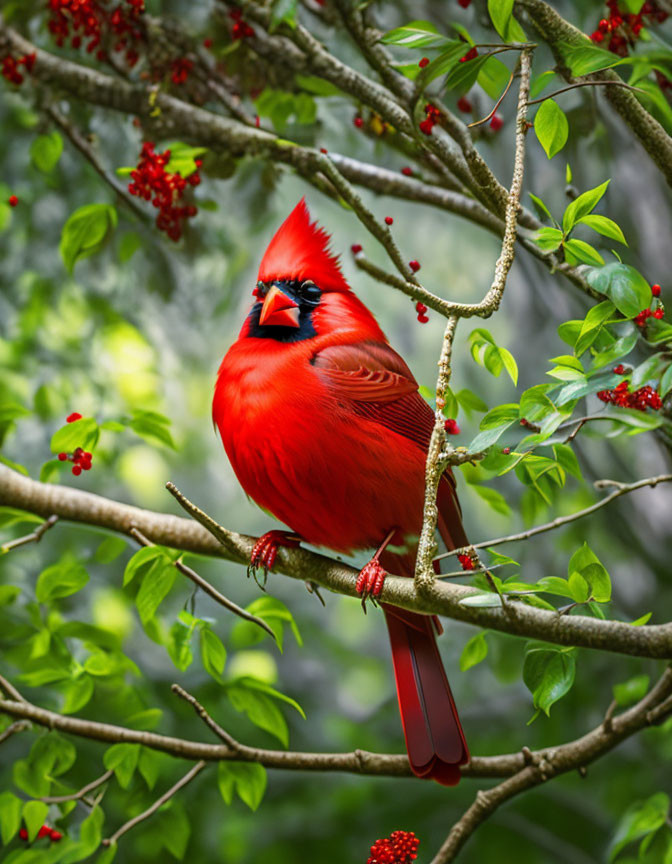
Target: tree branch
{"x": 78, "y": 506}
{"x": 34, "y": 537}
{"x": 549, "y": 763}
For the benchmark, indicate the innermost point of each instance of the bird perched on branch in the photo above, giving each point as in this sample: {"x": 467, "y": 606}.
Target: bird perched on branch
{"x": 324, "y": 427}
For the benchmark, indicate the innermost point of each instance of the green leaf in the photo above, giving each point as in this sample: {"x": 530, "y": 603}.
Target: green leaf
{"x": 554, "y": 585}
{"x": 318, "y": 86}
{"x": 614, "y": 352}
{"x": 493, "y": 77}
{"x": 548, "y": 674}
{"x": 541, "y": 207}
{"x": 469, "y": 401}
{"x": 109, "y": 550}
{"x": 248, "y": 779}
{"x": 548, "y": 239}
{"x": 156, "y": 584}
{"x": 182, "y": 158}
{"x": 34, "y": 814}
{"x": 283, "y": 12}
{"x": 213, "y": 653}
{"x": 60, "y": 580}
{"x": 10, "y": 816}
{"x": 463, "y": 75}
{"x": 152, "y": 427}
{"x": 631, "y": 691}
{"x": 149, "y": 765}
{"x": 605, "y": 226}
{"x": 128, "y": 246}
{"x": 140, "y": 561}
{"x": 447, "y": 60}
{"x": 565, "y": 456}
{"x": 274, "y": 613}
{"x": 551, "y": 127}
{"x": 588, "y": 565}
{"x": 580, "y": 252}
{"x": 77, "y": 694}
{"x": 123, "y": 760}
{"x": 260, "y": 709}
{"x": 582, "y": 205}
{"x": 541, "y": 82}
{"x": 500, "y": 415}
{"x": 586, "y": 59}
{"x": 45, "y": 151}
{"x": 591, "y": 326}
{"x": 487, "y": 353}
{"x": 80, "y": 433}
{"x": 505, "y": 24}
{"x": 474, "y": 651}
{"x": 666, "y": 382}
{"x": 85, "y": 231}
{"x": 494, "y": 498}
{"x": 416, "y": 34}
{"x": 625, "y": 286}
{"x": 641, "y": 818}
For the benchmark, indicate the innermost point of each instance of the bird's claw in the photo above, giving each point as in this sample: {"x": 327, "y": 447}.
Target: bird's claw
{"x": 370, "y": 582}
{"x": 265, "y": 551}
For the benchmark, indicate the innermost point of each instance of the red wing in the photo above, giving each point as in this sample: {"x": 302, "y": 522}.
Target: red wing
{"x": 380, "y": 386}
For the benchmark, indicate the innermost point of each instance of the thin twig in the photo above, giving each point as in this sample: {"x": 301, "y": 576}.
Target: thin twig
{"x": 230, "y": 742}
{"x": 188, "y": 777}
{"x": 209, "y": 589}
{"x": 586, "y": 84}
{"x": 13, "y": 728}
{"x": 424, "y": 572}
{"x": 80, "y": 142}
{"x": 82, "y": 793}
{"x": 10, "y": 689}
{"x": 33, "y": 537}
{"x": 545, "y": 765}
{"x": 497, "y": 104}
{"x": 622, "y": 489}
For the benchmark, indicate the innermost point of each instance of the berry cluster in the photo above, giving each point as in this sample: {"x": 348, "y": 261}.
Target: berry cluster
{"x": 640, "y": 399}
{"x": 451, "y": 427}
{"x": 180, "y": 69}
{"x": 11, "y": 67}
{"x": 432, "y": 118}
{"x": 622, "y": 28}
{"x": 401, "y": 847}
{"x": 421, "y": 311}
{"x": 240, "y": 29}
{"x": 466, "y": 561}
{"x": 165, "y": 189}
{"x": 80, "y": 458}
{"x": 45, "y": 831}
{"x": 90, "y": 21}
{"x": 641, "y": 317}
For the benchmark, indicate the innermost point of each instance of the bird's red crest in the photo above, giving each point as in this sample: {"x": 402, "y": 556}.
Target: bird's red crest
{"x": 300, "y": 250}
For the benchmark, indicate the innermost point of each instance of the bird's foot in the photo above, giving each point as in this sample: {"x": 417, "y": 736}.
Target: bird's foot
{"x": 265, "y": 550}
{"x": 370, "y": 581}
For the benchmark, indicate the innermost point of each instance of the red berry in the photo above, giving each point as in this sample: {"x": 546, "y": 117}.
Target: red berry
{"x": 426, "y": 126}
{"x": 506, "y": 451}
{"x": 464, "y": 105}
{"x": 496, "y": 123}
{"x": 207, "y": 43}
{"x": 424, "y": 62}
{"x": 414, "y": 265}
{"x": 13, "y": 201}
{"x": 55, "y": 836}
{"x": 423, "y": 319}
{"x": 465, "y": 4}
{"x": 655, "y": 290}
{"x": 466, "y": 561}
{"x": 45, "y": 831}
{"x": 23, "y": 834}
{"x": 323, "y": 150}
{"x": 470, "y": 55}
{"x": 597, "y": 36}
{"x": 407, "y": 171}
{"x": 451, "y": 427}
{"x": 72, "y": 417}
{"x": 389, "y": 220}
{"x": 659, "y": 313}
{"x": 356, "y": 248}
{"x": 62, "y": 457}
{"x": 76, "y": 470}
{"x": 620, "y": 370}
{"x": 358, "y": 122}
{"x": 420, "y": 308}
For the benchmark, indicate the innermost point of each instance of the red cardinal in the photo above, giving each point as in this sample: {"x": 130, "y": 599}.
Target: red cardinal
{"x": 324, "y": 427}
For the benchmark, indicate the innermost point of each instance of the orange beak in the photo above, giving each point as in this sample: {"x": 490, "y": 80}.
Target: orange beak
{"x": 279, "y": 310}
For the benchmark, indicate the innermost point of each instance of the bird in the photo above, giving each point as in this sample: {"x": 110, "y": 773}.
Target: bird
{"x": 323, "y": 424}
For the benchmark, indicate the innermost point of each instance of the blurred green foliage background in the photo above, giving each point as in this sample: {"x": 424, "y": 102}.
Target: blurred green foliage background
{"x": 146, "y": 331}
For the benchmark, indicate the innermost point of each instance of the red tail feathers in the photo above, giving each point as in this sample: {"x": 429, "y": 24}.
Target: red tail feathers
{"x": 434, "y": 738}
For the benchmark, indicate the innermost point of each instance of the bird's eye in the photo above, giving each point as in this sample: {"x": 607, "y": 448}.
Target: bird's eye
{"x": 309, "y": 288}
{"x": 260, "y": 291}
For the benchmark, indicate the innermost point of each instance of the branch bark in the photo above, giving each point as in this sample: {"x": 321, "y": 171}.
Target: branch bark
{"x": 75, "y": 505}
